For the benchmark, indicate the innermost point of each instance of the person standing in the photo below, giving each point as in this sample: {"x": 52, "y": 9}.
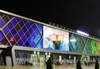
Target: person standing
{"x": 49, "y": 63}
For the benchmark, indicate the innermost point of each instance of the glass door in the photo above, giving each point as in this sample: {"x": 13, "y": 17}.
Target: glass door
{"x": 34, "y": 59}
{"x": 41, "y": 59}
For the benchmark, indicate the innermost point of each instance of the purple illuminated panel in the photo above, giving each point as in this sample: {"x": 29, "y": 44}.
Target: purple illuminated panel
{"x": 33, "y": 26}
{"x": 13, "y": 32}
{"x": 27, "y": 44}
{"x": 5, "y": 30}
{"x": 30, "y": 31}
{"x": 24, "y": 38}
{"x": 1, "y": 36}
{"x": 1, "y": 23}
{"x": 10, "y": 26}
{"x": 20, "y": 33}
{"x": 27, "y": 25}
{"x": 20, "y": 42}
{"x": 27, "y": 34}
{"x": 14, "y": 22}
{"x": 24, "y": 29}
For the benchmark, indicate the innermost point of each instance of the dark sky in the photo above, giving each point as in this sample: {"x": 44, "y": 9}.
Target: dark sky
{"x": 83, "y": 15}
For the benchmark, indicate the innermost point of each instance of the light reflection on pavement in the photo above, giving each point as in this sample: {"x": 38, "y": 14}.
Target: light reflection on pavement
{"x": 44, "y": 67}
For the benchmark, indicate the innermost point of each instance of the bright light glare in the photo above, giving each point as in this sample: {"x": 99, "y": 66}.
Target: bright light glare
{"x": 83, "y": 33}
{"x": 12, "y": 39}
{"x": 48, "y": 32}
{"x": 72, "y": 39}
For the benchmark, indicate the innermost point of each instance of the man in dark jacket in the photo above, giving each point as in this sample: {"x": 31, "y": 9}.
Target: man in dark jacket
{"x": 49, "y": 63}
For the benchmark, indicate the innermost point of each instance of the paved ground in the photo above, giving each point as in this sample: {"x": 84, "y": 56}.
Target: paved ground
{"x": 43, "y": 67}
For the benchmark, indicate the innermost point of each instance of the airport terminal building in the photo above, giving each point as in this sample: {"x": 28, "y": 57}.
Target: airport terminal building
{"x": 23, "y": 39}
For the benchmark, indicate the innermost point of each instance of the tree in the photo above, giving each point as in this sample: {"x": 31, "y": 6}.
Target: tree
{"x": 78, "y": 65}
{"x": 49, "y": 63}
{"x": 96, "y": 64}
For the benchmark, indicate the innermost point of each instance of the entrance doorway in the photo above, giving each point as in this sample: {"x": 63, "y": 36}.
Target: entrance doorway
{"x": 39, "y": 58}
{"x": 8, "y": 60}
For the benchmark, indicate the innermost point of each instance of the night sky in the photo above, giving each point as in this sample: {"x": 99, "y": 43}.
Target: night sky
{"x": 81, "y": 15}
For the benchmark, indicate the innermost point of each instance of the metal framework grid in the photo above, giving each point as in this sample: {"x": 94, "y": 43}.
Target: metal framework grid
{"x": 20, "y": 32}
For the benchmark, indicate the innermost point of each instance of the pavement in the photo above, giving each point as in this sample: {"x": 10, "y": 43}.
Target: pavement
{"x": 44, "y": 67}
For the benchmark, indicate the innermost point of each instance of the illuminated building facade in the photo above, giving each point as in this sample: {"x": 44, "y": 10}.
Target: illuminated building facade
{"x": 22, "y": 33}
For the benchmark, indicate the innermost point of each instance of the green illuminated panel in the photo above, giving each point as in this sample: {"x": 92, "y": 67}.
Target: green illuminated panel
{"x": 84, "y": 45}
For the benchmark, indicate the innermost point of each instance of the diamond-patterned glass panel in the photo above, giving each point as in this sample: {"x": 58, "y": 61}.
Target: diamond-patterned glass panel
{"x": 72, "y": 43}
{"x": 17, "y": 27}
{"x": 24, "y": 29}
{"x": 40, "y": 45}
{"x": 24, "y": 38}
{"x": 33, "y": 26}
{"x": 21, "y": 24}
{"x": 5, "y": 30}
{"x": 13, "y": 32}
{"x": 28, "y": 25}
{"x": 17, "y": 19}
{"x": 9, "y": 35}
{"x": 1, "y": 23}
{"x": 10, "y": 17}
{"x": 1, "y": 36}
{"x": 39, "y": 27}
{"x": 21, "y": 32}
{"x": 4, "y": 41}
{"x": 94, "y": 47}
{"x": 17, "y": 37}
{"x": 20, "y": 42}
{"x": 27, "y": 44}
{"x": 5, "y": 19}
{"x": 10, "y": 26}
{"x": 27, "y": 34}
{"x": 14, "y": 22}
{"x": 83, "y": 45}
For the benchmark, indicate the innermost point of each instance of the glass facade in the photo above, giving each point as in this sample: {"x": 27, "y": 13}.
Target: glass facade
{"x": 21, "y": 32}
{"x": 83, "y": 45}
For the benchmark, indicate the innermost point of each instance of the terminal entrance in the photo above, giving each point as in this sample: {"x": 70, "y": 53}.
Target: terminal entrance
{"x": 85, "y": 58}
{"x": 39, "y": 58}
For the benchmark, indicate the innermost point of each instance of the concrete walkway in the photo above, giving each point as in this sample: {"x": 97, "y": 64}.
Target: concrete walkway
{"x": 44, "y": 67}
